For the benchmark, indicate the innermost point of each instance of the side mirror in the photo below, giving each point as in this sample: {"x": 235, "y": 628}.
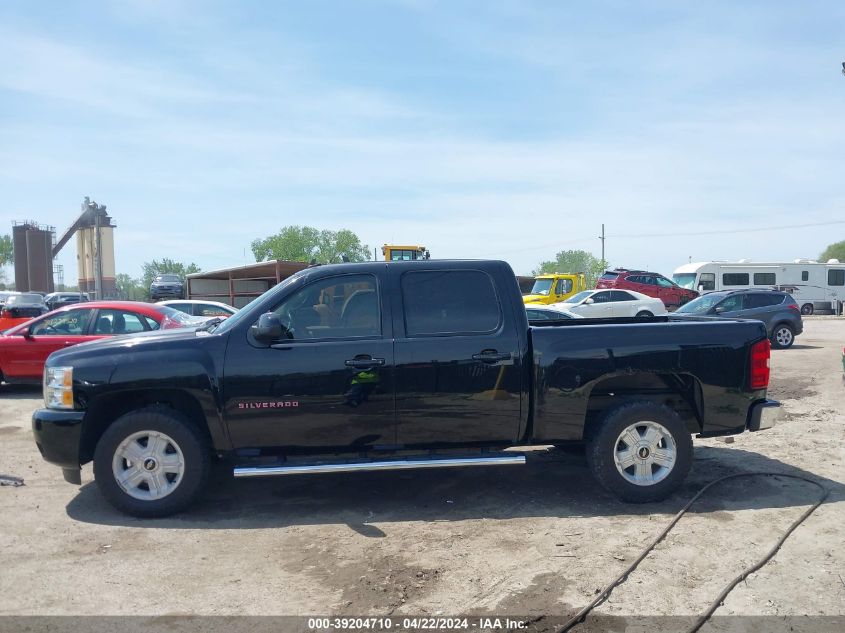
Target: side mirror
{"x": 701, "y": 287}
{"x": 718, "y": 309}
{"x": 270, "y": 328}
{"x": 588, "y": 301}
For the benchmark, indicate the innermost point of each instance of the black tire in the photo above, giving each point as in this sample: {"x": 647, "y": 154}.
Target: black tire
{"x": 783, "y": 336}
{"x": 604, "y": 441}
{"x": 807, "y": 309}
{"x": 643, "y": 314}
{"x": 190, "y": 440}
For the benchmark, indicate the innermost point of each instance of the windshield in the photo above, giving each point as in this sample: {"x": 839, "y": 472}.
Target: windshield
{"x": 701, "y": 304}
{"x": 542, "y": 287}
{"x": 30, "y": 298}
{"x": 168, "y": 278}
{"x": 685, "y": 280}
{"x": 578, "y": 298}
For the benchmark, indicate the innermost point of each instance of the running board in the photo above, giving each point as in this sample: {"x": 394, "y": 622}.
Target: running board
{"x": 403, "y": 464}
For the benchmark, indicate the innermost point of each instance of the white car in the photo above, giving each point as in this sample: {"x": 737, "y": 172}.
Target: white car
{"x": 605, "y": 304}
{"x": 200, "y": 307}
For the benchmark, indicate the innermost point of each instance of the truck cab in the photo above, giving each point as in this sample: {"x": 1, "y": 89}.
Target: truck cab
{"x": 404, "y": 253}
{"x": 555, "y": 287}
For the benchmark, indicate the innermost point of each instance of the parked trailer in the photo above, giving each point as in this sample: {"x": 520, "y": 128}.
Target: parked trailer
{"x": 815, "y": 286}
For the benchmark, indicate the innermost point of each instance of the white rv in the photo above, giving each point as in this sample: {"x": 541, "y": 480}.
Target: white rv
{"x": 815, "y": 286}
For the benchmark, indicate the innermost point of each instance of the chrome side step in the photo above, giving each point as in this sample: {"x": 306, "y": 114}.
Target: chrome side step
{"x": 399, "y": 464}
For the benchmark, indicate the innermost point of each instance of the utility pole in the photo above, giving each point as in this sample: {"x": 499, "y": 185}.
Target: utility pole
{"x": 602, "y": 238}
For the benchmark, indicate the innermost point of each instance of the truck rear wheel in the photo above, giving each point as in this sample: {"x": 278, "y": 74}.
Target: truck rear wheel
{"x": 152, "y": 462}
{"x": 641, "y": 452}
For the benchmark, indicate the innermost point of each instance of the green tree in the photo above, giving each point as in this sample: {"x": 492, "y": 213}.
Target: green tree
{"x": 7, "y": 255}
{"x": 130, "y": 288}
{"x": 834, "y": 251}
{"x": 574, "y": 262}
{"x": 7, "y": 251}
{"x": 156, "y": 267}
{"x": 305, "y": 244}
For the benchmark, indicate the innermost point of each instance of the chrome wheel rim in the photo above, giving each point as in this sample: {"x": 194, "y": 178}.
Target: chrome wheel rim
{"x": 783, "y": 336}
{"x": 148, "y": 465}
{"x": 645, "y": 453}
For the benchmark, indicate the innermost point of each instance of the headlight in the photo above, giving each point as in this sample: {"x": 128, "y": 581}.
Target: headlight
{"x": 58, "y": 387}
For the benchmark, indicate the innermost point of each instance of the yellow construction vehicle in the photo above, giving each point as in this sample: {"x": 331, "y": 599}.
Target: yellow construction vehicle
{"x": 555, "y": 287}
{"x": 393, "y": 253}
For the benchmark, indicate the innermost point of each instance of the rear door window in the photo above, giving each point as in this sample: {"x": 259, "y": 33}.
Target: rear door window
{"x": 117, "y": 322}
{"x": 621, "y": 295}
{"x": 450, "y": 302}
{"x": 762, "y": 301}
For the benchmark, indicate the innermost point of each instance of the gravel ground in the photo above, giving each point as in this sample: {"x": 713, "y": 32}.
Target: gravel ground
{"x": 538, "y": 539}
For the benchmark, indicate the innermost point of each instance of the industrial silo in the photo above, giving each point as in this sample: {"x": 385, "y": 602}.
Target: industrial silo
{"x": 19, "y": 246}
{"x": 39, "y": 258}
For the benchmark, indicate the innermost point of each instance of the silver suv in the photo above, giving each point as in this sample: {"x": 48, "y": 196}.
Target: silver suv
{"x": 777, "y": 310}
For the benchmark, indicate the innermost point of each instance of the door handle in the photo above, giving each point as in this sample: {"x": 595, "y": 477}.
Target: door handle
{"x": 492, "y": 356}
{"x": 364, "y": 362}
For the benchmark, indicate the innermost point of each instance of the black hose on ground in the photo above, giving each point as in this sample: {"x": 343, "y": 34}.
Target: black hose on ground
{"x": 605, "y": 593}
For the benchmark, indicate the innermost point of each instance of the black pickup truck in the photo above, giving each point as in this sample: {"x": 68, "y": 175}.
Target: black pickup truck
{"x": 381, "y": 366}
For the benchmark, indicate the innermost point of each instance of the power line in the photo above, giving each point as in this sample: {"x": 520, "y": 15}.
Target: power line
{"x": 582, "y": 240}
{"x": 725, "y": 232}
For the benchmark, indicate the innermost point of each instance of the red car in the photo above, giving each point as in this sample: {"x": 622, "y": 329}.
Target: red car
{"x": 23, "y": 349}
{"x": 651, "y": 284}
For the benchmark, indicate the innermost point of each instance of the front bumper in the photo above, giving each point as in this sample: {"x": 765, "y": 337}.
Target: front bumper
{"x": 763, "y": 415}
{"x": 57, "y": 435}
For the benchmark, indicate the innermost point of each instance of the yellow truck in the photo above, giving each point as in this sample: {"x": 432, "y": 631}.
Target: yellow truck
{"x": 555, "y": 287}
{"x": 394, "y": 253}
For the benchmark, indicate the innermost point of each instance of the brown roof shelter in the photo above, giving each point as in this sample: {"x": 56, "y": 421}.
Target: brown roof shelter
{"x": 239, "y": 285}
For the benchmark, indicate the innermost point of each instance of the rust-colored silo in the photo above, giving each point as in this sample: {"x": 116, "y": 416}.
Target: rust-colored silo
{"x": 39, "y": 257}
{"x": 19, "y": 246}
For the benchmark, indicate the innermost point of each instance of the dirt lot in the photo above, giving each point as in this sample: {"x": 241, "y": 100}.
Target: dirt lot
{"x": 538, "y": 539}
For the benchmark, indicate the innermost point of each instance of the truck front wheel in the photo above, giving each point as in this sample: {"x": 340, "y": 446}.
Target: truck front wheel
{"x": 641, "y": 452}
{"x": 152, "y": 462}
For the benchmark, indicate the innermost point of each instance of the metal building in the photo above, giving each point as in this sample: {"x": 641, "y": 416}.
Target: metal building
{"x": 239, "y": 285}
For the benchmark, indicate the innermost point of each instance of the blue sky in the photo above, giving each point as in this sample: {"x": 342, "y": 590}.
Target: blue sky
{"x": 479, "y": 129}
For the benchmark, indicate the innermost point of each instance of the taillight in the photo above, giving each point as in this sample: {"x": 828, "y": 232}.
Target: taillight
{"x": 760, "y": 371}
{"x": 4, "y": 314}
{"x": 793, "y": 306}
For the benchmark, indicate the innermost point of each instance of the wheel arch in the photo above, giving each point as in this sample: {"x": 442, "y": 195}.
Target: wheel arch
{"x": 680, "y": 392}
{"x": 104, "y": 410}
